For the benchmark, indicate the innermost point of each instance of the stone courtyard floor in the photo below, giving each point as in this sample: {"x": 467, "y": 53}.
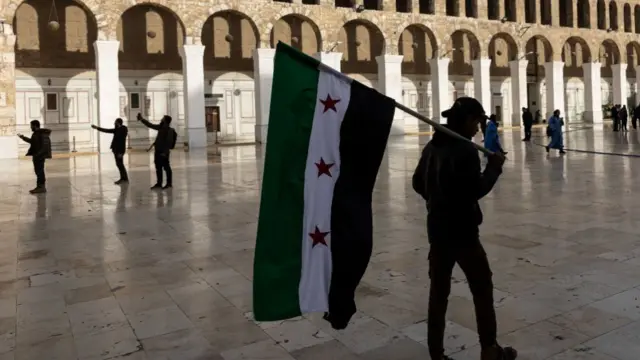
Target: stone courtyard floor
{"x": 96, "y": 271}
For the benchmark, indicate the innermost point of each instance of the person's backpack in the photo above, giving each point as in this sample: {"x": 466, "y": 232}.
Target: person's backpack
{"x": 174, "y": 139}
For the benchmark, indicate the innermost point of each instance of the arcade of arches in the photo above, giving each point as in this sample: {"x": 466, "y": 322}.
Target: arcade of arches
{"x": 211, "y": 68}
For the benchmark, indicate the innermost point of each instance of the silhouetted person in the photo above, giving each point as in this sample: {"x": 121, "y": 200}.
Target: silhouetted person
{"x": 614, "y": 117}
{"x": 492, "y": 137}
{"x": 483, "y": 127}
{"x": 449, "y": 178}
{"x": 118, "y": 147}
{"x": 623, "y": 114}
{"x": 554, "y": 130}
{"x": 39, "y": 150}
{"x": 165, "y": 141}
{"x": 636, "y": 116}
{"x": 527, "y": 122}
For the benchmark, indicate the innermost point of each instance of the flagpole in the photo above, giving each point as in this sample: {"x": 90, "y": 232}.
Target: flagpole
{"x": 437, "y": 126}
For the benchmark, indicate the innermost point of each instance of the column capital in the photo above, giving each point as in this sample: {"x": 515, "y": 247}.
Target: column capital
{"x": 332, "y": 59}
{"x": 519, "y": 63}
{"x": 588, "y": 65}
{"x": 389, "y": 59}
{"x": 106, "y": 46}
{"x": 481, "y": 62}
{"x": 192, "y": 50}
{"x": 264, "y": 53}
{"x": 444, "y": 61}
{"x": 620, "y": 67}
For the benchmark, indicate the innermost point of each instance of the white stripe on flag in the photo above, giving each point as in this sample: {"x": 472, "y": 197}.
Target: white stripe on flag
{"x": 321, "y": 174}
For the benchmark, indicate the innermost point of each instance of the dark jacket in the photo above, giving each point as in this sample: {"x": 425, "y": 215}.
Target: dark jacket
{"x": 40, "y": 144}
{"x": 527, "y": 118}
{"x": 119, "y": 141}
{"x": 164, "y": 138}
{"x": 449, "y": 178}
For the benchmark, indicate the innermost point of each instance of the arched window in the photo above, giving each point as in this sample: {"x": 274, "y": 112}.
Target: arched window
{"x": 636, "y": 11}
{"x": 566, "y": 13}
{"x": 493, "y": 10}
{"x": 602, "y": 15}
{"x": 530, "y": 11}
{"x": 403, "y": 6}
{"x": 510, "y": 10}
{"x": 427, "y": 7}
{"x": 613, "y": 16}
{"x": 545, "y": 12}
{"x": 452, "y": 8}
{"x": 471, "y": 8}
{"x": 372, "y": 4}
{"x": 627, "y": 18}
{"x": 584, "y": 14}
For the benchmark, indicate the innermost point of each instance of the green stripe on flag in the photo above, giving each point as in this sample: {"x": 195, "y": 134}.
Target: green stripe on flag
{"x": 277, "y": 262}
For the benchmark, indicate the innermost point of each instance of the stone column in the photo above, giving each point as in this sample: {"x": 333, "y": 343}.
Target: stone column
{"x": 263, "y": 79}
{"x": 8, "y": 140}
{"x": 331, "y": 59}
{"x": 620, "y": 83}
{"x": 518, "y": 70}
{"x": 390, "y": 84}
{"x": 482, "y": 82}
{"x": 637, "y": 85}
{"x": 440, "y": 87}
{"x": 108, "y": 79}
{"x": 554, "y": 78}
{"x": 193, "y": 93}
{"x": 592, "y": 92}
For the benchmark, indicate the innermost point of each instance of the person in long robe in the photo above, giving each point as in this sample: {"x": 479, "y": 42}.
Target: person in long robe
{"x": 491, "y": 137}
{"x": 555, "y": 130}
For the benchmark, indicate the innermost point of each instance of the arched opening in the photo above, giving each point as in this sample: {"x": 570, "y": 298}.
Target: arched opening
{"x": 403, "y": 6}
{"x": 297, "y": 31}
{"x": 453, "y": 8}
{"x": 463, "y": 48}
{"x": 229, "y": 39}
{"x": 493, "y": 9}
{"x": 43, "y": 52}
{"x": 545, "y": 12}
{"x": 360, "y": 42}
{"x": 530, "y": 11}
{"x": 609, "y": 55}
{"x": 150, "y": 39}
{"x": 575, "y": 53}
{"x": 417, "y": 45}
{"x": 538, "y": 51}
{"x": 613, "y": 16}
{"x": 636, "y": 18}
{"x": 566, "y": 13}
{"x": 502, "y": 49}
{"x": 633, "y": 58}
{"x": 427, "y": 7}
{"x": 471, "y": 8}
{"x": 372, "y": 4}
{"x": 602, "y": 15}
{"x": 311, "y": 2}
{"x": 584, "y": 14}
{"x": 627, "y": 19}
{"x": 343, "y": 3}
{"x": 510, "y": 11}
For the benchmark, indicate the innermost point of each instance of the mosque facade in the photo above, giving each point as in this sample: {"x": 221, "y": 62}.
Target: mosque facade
{"x": 209, "y": 64}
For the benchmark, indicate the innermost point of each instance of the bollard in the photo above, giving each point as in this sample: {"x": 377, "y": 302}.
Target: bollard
{"x": 74, "y": 145}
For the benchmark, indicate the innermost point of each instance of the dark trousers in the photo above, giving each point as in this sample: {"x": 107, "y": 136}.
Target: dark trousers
{"x": 38, "y": 168}
{"x": 634, "y": 122}
{"x": 616, "y": 123}
{"x": 527, "y": 131}
{"x": 623, "y": 124}
{"x": 473, "y": 261}
{"x": 162, "y": 163}
{"x": 120, "y": 164}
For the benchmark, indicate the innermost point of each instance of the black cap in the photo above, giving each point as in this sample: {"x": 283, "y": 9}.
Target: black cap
{"x": 464, "y": 106}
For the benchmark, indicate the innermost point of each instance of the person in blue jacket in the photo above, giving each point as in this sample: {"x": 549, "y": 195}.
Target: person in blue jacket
{"x": 491, "y": 137}
{"x": 554, "y": 130}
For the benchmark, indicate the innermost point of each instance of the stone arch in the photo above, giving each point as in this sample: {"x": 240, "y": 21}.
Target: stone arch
{"x": 317, "y": 25}
{"x": 92, "y": 6}
{"x": 298, "y": 31}
{"x": 151, "y": 36}
{"x": 417, "y": 44}
{"x": 539, "y": 51}
{"x": 229, "y": 38}
{"x": 609, "y": 54}
{"x": 575, "y": 53}
{"x": 360, "y": 41}
{"x": 502, "y": 49}
{"x": 70, "y": 46}
{"x": 633, "y": 58}
{"x": 463, "y": 48}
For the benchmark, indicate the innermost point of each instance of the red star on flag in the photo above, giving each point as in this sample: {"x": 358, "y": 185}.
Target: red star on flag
{"x": 324, "y": 168}
{"x": 318, "y": 237}
{"x": 329, "y": 103}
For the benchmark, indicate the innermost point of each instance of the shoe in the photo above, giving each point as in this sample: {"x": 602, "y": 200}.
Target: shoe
{"x": 498, "y": 353}
{"x": 38, "y": 190}
{"x": 562, "y": 152}
{"x": 121, "y": 181}
{"x": 156, "y": 187}
{"x": 168, "y": 186}
{"x": 546, "y": 147}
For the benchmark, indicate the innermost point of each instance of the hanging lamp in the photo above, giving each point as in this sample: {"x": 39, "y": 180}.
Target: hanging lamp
{"x": 53, "y": 23}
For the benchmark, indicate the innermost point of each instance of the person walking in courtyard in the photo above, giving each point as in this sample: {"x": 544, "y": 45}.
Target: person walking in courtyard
{"x": 449, "y": 178}
{"x": 527, "y": 122}
{"x": 615, "y": 118}
{"x": 554, "y": 129}
{"x": 118, "y": 147}
{"x": 624, "y": 116}
{"x": 165, "y": 141}
{"x": 491, "y": 137}
{"x": 635, "y": 117}
{"x": 40, "y": 151}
